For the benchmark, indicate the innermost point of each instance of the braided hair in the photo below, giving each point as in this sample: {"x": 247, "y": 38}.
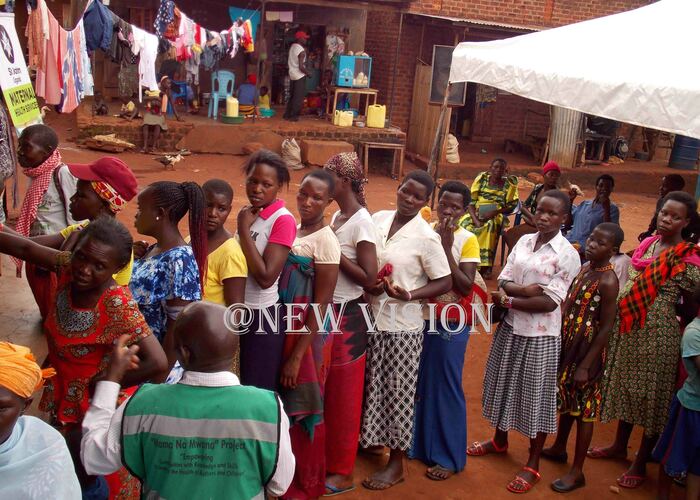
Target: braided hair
{"x": 177, "y": 199}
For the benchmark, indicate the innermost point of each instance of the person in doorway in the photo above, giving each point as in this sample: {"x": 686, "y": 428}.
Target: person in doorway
{"x": 588, "y": 317}
{"x": 244, "y": 430}
{"x": 45, "y": 209}
{"x": 671, "y": 182}
{"x": 297, "y": 74}
{"x": 589, "y": 213}
{"x": 34, "y": 460}
{"x": 419, "y": 270}
{"x": 520, "y": 383}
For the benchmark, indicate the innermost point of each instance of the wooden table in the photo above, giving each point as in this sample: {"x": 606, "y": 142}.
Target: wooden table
{"x": 397, "y": 148}
{"x": 347, "y": 90}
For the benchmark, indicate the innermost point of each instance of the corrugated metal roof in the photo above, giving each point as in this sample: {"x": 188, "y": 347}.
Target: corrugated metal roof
{"x": 479, "y": 22}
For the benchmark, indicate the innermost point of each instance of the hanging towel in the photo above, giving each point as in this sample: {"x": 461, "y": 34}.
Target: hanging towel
{"x": 146, "y": 46}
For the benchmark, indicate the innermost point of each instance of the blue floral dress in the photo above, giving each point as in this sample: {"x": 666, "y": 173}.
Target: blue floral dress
{"x": 166, "y": 276}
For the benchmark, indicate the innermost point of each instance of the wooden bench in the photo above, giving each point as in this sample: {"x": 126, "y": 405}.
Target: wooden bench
{"x": 365, "y": 148}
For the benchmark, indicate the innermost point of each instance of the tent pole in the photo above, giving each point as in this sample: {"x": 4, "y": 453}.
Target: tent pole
{"x": 437, "y": 142}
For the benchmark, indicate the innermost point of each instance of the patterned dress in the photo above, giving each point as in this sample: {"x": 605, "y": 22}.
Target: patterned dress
{"x": 166, "y": 276}
{"x": 641, "y": 368}
{"x": 579, "y": 328}
{"x": 490, "y": 198}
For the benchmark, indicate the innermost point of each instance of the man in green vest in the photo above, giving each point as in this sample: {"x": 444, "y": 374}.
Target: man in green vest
{"x": 205, "y": 437}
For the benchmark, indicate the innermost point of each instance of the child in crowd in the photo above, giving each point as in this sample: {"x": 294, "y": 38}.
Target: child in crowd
{"x": 99, "y": 107}
{"x": 129, "y": 109}
{"x": 264, "y": 98}
{"x": 678, "y": 449}
{"x": 588, "y": 317}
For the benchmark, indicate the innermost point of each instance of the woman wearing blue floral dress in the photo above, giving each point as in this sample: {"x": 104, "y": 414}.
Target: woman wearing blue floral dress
{"x": 169, "y": 273}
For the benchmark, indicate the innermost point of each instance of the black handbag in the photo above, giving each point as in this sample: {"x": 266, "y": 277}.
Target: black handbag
{"x": 498, "y": 314}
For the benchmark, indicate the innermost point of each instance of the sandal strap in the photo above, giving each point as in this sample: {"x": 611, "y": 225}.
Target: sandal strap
{"x": 532, "y": 471}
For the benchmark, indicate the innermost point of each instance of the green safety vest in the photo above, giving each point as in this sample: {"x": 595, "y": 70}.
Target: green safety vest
{"x": 195, "y": 442}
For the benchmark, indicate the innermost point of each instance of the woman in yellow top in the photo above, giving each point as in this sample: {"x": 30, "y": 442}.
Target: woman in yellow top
{"x": 493, "y": 194}
{"x": 227, "y": 268}
{"x": 104, "y": 187}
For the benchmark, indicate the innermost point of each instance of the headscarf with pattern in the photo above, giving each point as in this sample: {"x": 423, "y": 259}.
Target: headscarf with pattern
{"x": 19, "y": 372}
{"x": 109, "y": 194}
{"x": 348, "y": 165}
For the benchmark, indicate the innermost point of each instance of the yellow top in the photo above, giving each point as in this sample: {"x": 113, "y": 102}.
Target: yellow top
{"x": 227, "y": 261}
{"x": 264, "y": 101}
{"x": 122, "y": 277}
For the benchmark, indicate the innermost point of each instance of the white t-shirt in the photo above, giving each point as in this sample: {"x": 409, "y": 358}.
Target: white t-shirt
{"x": 262, "y": 230}
{"x": 52, "y": 214}
{"x": 322, "y": 246}
{"x": 357, "y": 228}
{"x": 416, "y": 255}
{"x": 293, "y": 62}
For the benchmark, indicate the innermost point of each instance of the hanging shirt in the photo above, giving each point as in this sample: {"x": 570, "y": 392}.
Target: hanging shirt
{"x": 146, "y": 46}
{"x": 99, "y": 26}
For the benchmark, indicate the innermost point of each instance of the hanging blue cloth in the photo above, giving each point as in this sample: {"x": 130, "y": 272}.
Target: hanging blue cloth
{"x": 253, "y": 15}
{"x": 99, "y": 27}
{"x": 165, "y": 16}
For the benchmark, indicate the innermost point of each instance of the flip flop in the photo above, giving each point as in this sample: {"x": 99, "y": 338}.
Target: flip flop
{"x": 630, "y": 482}
{"x": 599, "y": 453}
{"x": 560, "y": 458}
{"x": 430, "y": 473}
{"x": 337, "y": 491}
{"x": 523, "y": 483}
{"x": 477, "y": 449}
{"x": 560, "y": 488}
{"x": 386, "y": 484}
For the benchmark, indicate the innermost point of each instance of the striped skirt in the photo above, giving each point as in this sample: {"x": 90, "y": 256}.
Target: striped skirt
{"x": 520, "y": 384}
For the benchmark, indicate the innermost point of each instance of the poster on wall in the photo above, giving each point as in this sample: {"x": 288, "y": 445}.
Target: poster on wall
{"x": 14, "y": 77}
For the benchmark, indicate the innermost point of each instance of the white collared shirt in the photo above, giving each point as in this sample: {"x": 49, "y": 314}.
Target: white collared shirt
{"x": 416, "y": 255}
{"x": 100, "y": 448}
{"x": 553, "y": 266}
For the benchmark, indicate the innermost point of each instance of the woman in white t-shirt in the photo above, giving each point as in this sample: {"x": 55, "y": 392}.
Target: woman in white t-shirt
{"x": 355, "y": 230}
{"x": 266, "y": 231}
{"x": 309, "y": 278}
{"x": 419, "y": 270}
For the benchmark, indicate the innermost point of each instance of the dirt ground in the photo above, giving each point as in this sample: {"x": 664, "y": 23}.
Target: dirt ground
{"x": 483, "y": 477}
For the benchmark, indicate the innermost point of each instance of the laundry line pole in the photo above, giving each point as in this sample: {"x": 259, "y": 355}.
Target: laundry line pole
{"x": 438, "y": 141}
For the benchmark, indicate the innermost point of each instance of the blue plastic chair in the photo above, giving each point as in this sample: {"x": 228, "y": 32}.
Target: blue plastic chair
{"x": 222, "y": 83}
{"x": 178, "y": 90}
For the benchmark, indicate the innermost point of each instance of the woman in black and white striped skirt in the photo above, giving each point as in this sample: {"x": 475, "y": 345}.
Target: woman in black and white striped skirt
{"x": 520, "y": 385}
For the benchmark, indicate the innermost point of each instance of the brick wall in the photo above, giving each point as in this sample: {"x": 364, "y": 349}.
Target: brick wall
{"x": 509, "y": 118}
{"x": 542, "y": 13}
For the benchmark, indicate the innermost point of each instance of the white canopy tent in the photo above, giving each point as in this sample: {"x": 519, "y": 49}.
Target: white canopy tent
{"x": 638, "y": 67}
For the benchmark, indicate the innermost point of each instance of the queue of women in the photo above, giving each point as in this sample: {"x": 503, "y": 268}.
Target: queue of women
{"x": 575, "y": 338}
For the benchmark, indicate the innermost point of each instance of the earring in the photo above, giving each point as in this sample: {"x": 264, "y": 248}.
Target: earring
{"x": 157, "y": 217}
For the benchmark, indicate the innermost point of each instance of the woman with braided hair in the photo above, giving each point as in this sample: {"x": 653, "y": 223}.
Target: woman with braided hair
{"x": 642, "y": 362}
{"x": 353, "y": 227}
{"x": 169, "y": 274}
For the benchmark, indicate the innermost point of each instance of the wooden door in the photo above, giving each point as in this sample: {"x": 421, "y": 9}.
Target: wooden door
{"x": 424, "y": 117}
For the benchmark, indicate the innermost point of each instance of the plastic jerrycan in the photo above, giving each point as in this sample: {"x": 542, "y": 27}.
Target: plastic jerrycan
{"x": 376, "y": 115}
{"x": 231, "y": 106}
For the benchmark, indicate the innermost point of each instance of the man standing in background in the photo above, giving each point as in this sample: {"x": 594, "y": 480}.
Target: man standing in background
{"x": 297, "y": 75}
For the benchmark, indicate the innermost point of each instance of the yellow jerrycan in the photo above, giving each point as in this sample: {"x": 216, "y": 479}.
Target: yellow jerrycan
{"x": 376, "y": 116}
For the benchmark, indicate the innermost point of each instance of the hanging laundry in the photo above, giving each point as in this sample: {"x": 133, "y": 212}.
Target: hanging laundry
{"x": 247, "y": 38}
{"x": 71, "y": 70}
{"x": 146, "y": 47}
{"x": 122, "y": 40}
{"x": 165, "y": 16}
{"x": 36, "y": 37}
{"x": 172, "y": 31}
{"x": 85, "y": 65}
{"x": 48, "y": 80}
{"x": 252, "y": 15}
{"x": 99, "y": 24}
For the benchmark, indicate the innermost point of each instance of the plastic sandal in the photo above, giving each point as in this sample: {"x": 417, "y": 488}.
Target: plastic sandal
{"x": 477, "y": 449}
{"x": 630, "y": 482}
{"x": 520, "y": 485}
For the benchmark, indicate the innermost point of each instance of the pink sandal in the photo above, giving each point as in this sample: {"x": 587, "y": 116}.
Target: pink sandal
{"x": 477, "y": 449}
{"x": 520, "y": 485}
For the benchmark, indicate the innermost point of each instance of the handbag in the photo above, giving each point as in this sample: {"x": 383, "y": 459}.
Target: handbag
{"x": 498, "y": 313}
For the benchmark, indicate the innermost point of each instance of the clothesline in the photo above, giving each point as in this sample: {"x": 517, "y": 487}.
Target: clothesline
{"x": 63, "y": 65}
